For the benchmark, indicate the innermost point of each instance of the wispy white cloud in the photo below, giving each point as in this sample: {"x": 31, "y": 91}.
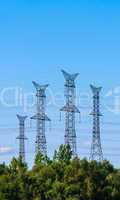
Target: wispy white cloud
{"x": 5, "y": 149}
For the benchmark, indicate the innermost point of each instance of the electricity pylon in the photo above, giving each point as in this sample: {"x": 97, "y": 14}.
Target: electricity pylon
{"x": 70, "y": 110}
{"x": 41, "y": 118}
{"x": 22, "y": 137}
{"x": 96, "y": 148}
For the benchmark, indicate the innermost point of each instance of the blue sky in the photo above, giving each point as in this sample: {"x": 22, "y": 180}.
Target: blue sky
{"x": 37, "y": 39}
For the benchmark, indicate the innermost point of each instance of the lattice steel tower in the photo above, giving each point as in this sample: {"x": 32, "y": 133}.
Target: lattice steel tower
{"x": 41, "y": 118}
{"x": 96, "y": 148}
{"x": 22, "y": 137}
{"x": 70, "y": 109}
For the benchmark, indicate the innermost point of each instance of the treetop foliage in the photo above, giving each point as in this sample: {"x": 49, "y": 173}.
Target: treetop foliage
{"x": 62, "y": 178}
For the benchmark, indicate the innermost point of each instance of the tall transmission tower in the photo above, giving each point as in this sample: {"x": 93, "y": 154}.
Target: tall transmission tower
{"x": 41, "y": 118}
{"x": 96, "y": 148}
{"x": 22, "y": 137}
{"x": 70, "y": 109}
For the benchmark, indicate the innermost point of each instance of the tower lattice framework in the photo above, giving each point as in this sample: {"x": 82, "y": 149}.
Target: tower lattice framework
{"x": 41, "y": 118}
{"x": 96, "y": 148}
{"x": 22, "y": 137}
{"x": 70, "y": 110}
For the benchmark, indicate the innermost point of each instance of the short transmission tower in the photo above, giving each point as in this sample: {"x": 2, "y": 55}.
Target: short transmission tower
{"x": 40, "y": 117}
{"x": 70, "y": 109}
{"x": 22, "y": 137}
{"x": 96, "y": 148}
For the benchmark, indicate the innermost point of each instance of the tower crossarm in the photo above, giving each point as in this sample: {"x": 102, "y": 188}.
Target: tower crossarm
{"x": 69, "y": 77}
{"x": 68, "y": 108}
{"x": 41, "y": 117}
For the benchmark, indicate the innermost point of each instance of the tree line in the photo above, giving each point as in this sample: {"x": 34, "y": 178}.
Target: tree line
{"x": 60, "y": 178}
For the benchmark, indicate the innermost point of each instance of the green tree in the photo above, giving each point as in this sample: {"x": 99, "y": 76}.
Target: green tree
{"x": 64, "y": 154}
